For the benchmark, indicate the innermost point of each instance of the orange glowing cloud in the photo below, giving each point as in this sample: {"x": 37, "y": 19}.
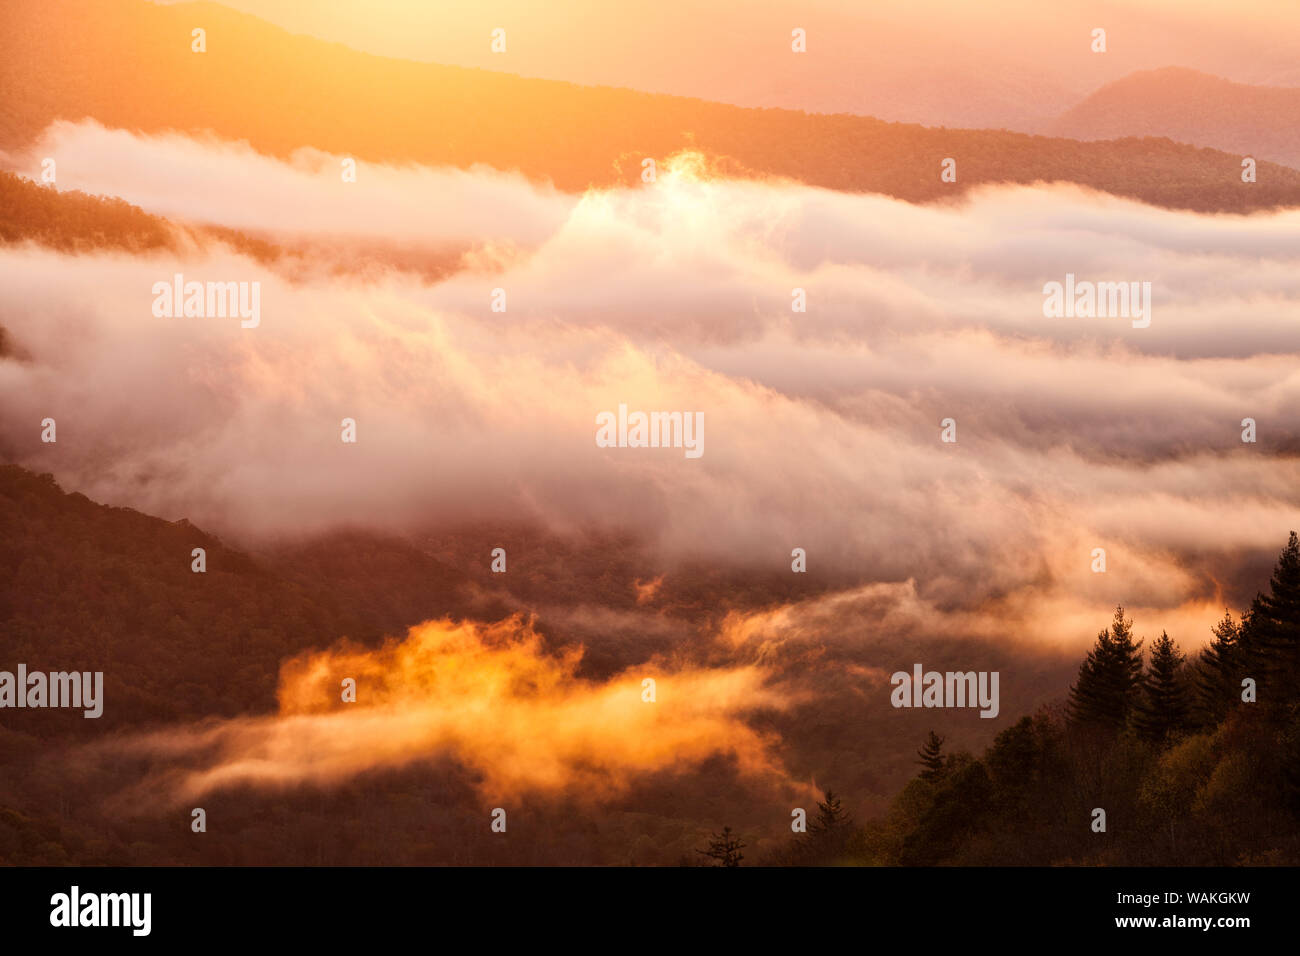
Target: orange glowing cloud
{"x": 646, "y": 590}
{"x": 488, "y": 695}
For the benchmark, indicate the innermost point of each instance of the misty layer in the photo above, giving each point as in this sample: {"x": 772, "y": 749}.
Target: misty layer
{"x": 823, "y": 425}
{"x": 485, "y": 695}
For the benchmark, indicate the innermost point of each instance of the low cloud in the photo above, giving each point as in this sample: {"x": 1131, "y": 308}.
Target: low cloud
{"x": 485, "y": 695}
{"x": 822, "y": 426}
{"x": 229, "y": 184}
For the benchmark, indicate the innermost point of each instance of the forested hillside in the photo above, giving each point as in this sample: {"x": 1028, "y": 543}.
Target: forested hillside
{"x": 89, "y": 587}
{"x": 97, "y": 588}
{"x": 73, "y": 221}
{"x": 1194, "y": 762}
{"x": 1186, "y": 770}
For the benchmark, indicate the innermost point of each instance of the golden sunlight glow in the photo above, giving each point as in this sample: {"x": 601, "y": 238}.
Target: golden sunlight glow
{"x": 491, "y": 697}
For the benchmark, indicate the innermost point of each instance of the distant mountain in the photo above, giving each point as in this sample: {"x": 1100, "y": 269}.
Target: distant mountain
{"x": 934, "y": 62}
{"x": 128, "y": 64}
{"x": 1192, "y": 107}
{"x": 888, "y": 63}
{"x": 73, "y": 221}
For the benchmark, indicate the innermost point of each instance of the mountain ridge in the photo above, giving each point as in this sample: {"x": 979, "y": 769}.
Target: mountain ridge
{"x": 1191, "y": 107}
{"x": 260, "y": 84}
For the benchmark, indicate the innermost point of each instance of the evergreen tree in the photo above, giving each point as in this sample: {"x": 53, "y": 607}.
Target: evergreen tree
{"x": 931, "y": 758}
{"x": 1165, "y": 705}
{"x": 725, "y": 848}
{"x": 1110, "y": 678}
{"x": 831, "y": 815}
{"x": 961, "y": 809}
{"x": 1218, "y": 677}
{"x": 1271, "y": 637}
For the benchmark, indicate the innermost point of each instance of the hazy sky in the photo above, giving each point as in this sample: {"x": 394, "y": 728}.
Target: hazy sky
{"x": 940, "y": 62}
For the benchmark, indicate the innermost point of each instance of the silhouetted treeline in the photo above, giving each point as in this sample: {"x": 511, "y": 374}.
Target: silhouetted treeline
{"x": 1192, "y": 762}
